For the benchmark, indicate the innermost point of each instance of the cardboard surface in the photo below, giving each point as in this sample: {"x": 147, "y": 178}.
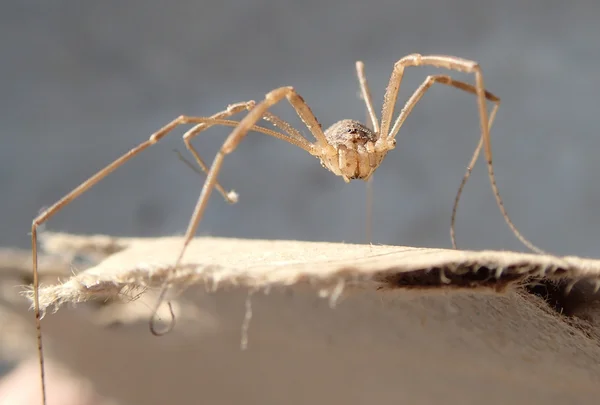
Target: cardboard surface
{"x": 448, "y": 326}
{"x": 132, "y": 264}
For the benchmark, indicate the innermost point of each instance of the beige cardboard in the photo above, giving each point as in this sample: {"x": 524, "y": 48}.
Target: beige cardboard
{"x": 409, "y": 325}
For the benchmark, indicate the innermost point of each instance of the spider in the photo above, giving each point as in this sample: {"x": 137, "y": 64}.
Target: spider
{"x": 348, "y": 148}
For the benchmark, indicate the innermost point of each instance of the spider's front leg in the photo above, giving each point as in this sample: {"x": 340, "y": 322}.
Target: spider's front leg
{"x": 231, "y": 196}
{"x": 272, "y": 98}
{"x": 44, "y": 216}
{"x": 245, "y": 125}
{"x": 248, "y": 123}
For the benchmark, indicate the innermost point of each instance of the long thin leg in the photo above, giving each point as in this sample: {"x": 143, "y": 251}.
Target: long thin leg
{"x": 414, "y": 99}
{"x": 231, "y": 196}
{"x": 291, "y": 135}
{"x": 301, "y": 143}
{"x": 422, "y": 89}
{"x": 245, "y": 125}
{"x": 366, "y": 94}
{"x": 48, "y": 213}
{"x": 463, "y": 183}
{"x": 89, "y": 183}
{"x": 461, "y": 65}
{"x": 231, "y": 110}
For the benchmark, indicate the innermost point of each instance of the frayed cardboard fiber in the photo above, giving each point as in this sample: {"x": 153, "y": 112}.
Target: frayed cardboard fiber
{"x": 473, "y": 324}
{"x": 134, "y": 264}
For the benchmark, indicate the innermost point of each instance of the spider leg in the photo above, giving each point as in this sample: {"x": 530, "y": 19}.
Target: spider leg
{"x": 232, "y": 110}
{"x": 461, "y": 65}
{"x": 74, "y": 194}
{"x": 242, "y": 127}
{"x": 422, "y": 89}
{"x": 299, "y": 105}
{"x": 463, "y": 182}
{"x": 231, "y": 196}
{"x": 366, "y": 95}
{"x": 414, "y": 99}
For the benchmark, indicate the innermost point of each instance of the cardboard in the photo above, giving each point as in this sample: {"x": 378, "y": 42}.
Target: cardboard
{"x": 261, "y": 322}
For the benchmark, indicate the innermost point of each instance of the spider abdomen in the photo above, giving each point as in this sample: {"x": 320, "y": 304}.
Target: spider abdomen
{"x": 349, "y": 132}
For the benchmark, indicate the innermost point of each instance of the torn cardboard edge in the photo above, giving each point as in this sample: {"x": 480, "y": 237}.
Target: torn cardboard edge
{"x": 138, "y": 264}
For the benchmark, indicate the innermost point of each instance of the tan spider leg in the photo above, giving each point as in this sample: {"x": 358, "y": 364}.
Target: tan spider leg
{"x": 301, "y": 143}
{"x": 48, "y": 213}
{"x": 366, "y": 94}
{"x": 294, "y": 138}
{"x": 283, "y": 125}
{"x": 422, "y": 89}
{"x": 292, "y": 135}
{"x": 465, "y": 66}
{"x": 89, "y": 183}
{"x": 241, "y": 129}
{"x": 414, "y": 99}
{"x": 302, "y": 109}
{"x": 230, "y": 197}
{"x": 231, "y": 110}
{"x": 464, "y": 182}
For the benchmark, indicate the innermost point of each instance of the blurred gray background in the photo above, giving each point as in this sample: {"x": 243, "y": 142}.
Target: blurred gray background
{"x": 82, "y": 82}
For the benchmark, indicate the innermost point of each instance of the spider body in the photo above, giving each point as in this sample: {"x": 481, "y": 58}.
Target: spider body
{"x": 358, "y": 150}
{"x": 348, "y": 148}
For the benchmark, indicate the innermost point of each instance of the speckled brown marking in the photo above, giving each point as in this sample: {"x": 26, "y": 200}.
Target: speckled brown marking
{"x": 346, "y": 132}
